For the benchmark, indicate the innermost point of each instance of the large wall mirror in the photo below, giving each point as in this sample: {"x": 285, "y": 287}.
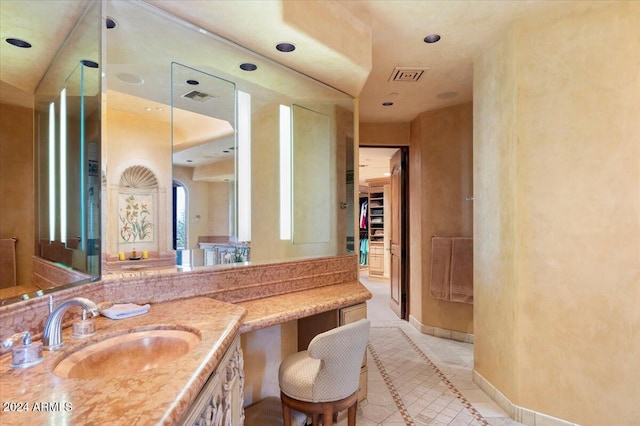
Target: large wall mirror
{"x": 50, "y": 99}
{"x": 171, "y": 158}
{"x": 204, "y": 167}
{"x": 175, "y": 104}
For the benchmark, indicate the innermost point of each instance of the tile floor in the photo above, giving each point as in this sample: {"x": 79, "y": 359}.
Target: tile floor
{"x": 417, "y": 379}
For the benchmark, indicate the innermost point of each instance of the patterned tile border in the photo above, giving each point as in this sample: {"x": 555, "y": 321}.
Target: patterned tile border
{"x": 446, "y": 380}
{"x": 392, "y": 389}
{"x": 394, "y": 393}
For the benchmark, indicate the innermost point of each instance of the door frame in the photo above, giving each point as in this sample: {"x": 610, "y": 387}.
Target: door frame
{"x": 405, "y": 231}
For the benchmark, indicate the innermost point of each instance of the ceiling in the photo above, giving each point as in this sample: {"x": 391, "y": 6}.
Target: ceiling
{"x": 374, "y": 163}
{"x": 352, "y": 45}
{"x": 397, "y": 29}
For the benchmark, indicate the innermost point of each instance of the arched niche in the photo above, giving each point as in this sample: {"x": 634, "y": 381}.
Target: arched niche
{"x": 140, "y": 222}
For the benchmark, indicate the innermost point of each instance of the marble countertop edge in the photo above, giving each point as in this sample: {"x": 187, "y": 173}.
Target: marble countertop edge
{"x": 185, "y": 383}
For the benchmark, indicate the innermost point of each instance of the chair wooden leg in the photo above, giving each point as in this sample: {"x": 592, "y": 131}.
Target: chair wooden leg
{"x": 351, "y": 414}
{"x": 327, "y": 419}
{"x": 286, "y": 414}
{"x": 317, "y": 409}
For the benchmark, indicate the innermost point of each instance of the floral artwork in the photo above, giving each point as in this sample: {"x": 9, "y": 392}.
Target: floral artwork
{"x": 136, "y": 218}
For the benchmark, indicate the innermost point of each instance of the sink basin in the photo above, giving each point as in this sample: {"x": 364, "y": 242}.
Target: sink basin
{"x": 126, "y": 354}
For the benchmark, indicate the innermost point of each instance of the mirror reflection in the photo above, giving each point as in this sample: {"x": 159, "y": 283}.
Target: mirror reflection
{"x": 152, "y": 198}
{"x": 203, "y": 204}
{"x": 51, "y": 120}
{"x": 311, "y": 144}
{"x": 204, "y": 148}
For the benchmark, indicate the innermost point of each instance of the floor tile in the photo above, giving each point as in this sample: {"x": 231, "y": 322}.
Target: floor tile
{"x": 418, "y": 379}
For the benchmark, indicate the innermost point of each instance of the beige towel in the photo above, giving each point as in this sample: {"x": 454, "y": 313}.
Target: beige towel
{"x": 462, "y": 270}
{"x": 440, "y": 268}
{"x": 7, "y": 262}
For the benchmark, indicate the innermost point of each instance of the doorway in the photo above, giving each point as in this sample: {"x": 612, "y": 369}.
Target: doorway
{"x": 384, "y": 189}
{"x": 179, "y": 216}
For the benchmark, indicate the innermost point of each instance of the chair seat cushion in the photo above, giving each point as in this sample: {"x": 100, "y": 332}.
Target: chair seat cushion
{"x": 297, "y": 375}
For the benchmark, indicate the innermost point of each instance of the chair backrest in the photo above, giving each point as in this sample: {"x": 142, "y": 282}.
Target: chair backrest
{"x": 341, "y": 350}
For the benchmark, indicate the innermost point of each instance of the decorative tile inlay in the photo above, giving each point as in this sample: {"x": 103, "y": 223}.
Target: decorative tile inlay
{"x": 430, "y": 398}
{"x": 390, "y": 386}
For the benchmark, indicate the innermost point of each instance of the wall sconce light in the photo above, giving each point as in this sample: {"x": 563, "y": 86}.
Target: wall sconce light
{"x": 244, "y": 166}
{"x": 52, "y": 171}
{"x": 285, "y": 172}
{"x": 63, "y": 166}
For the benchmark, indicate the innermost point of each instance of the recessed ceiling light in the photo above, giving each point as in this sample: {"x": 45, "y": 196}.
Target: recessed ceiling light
{"x": 189, "y": 161}
{"x": 432, "y": 38}
{"x": 130, "y": 78}
{"x": 18, "y": 43}
{"x": 88, "y": 63}
{"x": 285, "y": 47}
{"x": 159, "y": 109}
{"x": 247, "y": 66}
{"x": 110, "y": 23}
{"x": 446, "y": 95}
{"x": 193, "y": 82}
{"x": 226, "y": 151}
{"x": 148, "y": 109}
{"x": 387, "y": 103}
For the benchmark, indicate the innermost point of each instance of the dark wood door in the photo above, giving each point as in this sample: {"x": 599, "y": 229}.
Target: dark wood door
{"x": 398, "y": 301}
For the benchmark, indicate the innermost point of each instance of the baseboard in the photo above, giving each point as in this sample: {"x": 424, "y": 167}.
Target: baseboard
{"x": 441, "y": 332}
{"x": 516, "y": 412}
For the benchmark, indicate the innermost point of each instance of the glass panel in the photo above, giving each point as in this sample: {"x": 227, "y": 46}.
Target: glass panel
{"x": 311, "y": 159}
{"x": 204, "y": 145}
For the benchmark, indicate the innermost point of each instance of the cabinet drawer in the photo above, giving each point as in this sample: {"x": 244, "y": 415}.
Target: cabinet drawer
{"x": 353, "y": 313}
{"x": 362, "y": 393}
{"x": 376, "y": 264}
{"x": 376, "y": 249}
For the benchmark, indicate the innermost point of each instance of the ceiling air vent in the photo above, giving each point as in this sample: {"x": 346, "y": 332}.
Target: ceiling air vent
{"x": 411, "y": 74}
{"x": 198, "y": 96}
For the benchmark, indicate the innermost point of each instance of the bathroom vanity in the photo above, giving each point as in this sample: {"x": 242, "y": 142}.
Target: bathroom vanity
{"x": 208, "y": 379}
{"x": 162, "y": 392}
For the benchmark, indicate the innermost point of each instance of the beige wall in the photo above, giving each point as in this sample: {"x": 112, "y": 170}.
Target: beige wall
{"x": 208, "y": 206}
{"x": 265, "y": 217}
{"x": 384, "y": 134}
{"x": 557, "y": 184}
{"x": 130, "y": 140}
{"x": 264, "y": 350}
{"x": 17, "y": 209}
{"x": 440, "y": 180}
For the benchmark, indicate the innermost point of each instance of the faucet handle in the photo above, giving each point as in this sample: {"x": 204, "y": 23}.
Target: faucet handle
{"x": 8, "y": 343}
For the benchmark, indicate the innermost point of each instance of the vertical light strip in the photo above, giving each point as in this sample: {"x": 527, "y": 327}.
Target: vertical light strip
{"x": 84, "y": 166}
{"x": 63, "y": 166}
{"x": 285, "y": 172}
{"x": 244, "y": 166}
{"x": 52, "y": 171}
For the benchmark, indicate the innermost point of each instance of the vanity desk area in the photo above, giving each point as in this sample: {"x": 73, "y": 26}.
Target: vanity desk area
{"x": 249, "y": 301}
{"x": 164, "y": 175}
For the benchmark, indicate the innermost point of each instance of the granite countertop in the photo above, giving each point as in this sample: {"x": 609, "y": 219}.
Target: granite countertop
{"x": 164, "y": 394}
{"x": 274, "y": 310}
{"x": 158, "y": 396}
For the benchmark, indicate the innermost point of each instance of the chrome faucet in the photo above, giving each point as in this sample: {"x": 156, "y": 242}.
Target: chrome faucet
{"x": 52, "y": 333}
